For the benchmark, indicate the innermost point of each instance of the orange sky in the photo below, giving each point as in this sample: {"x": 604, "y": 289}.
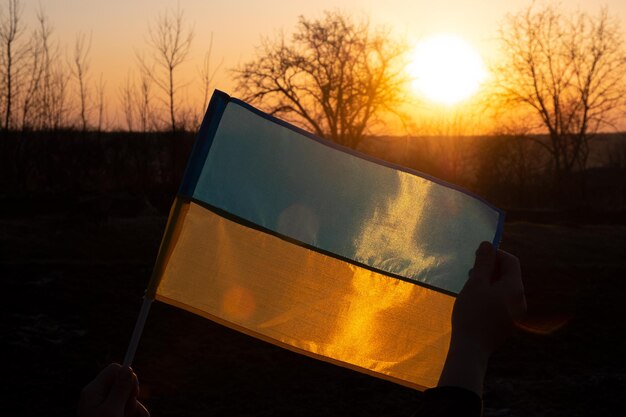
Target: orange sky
{"x": 119, "y": 27}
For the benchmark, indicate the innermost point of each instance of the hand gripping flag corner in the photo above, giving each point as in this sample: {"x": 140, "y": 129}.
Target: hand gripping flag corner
{"x": 318, "y": 249}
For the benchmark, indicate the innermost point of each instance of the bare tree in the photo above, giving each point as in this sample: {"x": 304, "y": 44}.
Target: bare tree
{"x": 48, "y": 94}
{"x": 58, "y": 110}
{"x": 207, "y": 74}
{"x": 568, "y": 70}
{"x": 100, "y": 104}
{"x": 33, "y": 77}
{"x": 170, "y": 41}
{"x": 335, "y": 77}
{"x": 56, "y": 81}
{"x": 126, "y": 97}
{"x": 144, "y": 101}
{"x": 13, "y": 54}
{"x": 80, "y": 70}
{"x": 30, "y": 102}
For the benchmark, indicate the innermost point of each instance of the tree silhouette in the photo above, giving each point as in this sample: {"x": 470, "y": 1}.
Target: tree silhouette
{"x": 51, "y": 101}
{"x": 170, "y": 43}
{"x": 80, "y": 70}
{"x": 207, "y": 74}
{"x": 126, "y": 97}
{"x": 335, "y": 77}
{"x": 12, "y": 57}
{"x": 568, "y": 71}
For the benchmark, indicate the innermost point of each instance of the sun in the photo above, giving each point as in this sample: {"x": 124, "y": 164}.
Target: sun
{"x": 446, "y": 69}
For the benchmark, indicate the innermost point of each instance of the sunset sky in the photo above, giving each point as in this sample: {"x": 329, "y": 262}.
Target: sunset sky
{"x": 119, "y": 27}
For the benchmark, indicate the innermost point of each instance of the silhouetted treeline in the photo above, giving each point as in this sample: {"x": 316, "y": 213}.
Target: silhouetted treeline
{"x": 73, "y": 170}
{"x": 515, "y": 172}
{"x": 133, "y": 173}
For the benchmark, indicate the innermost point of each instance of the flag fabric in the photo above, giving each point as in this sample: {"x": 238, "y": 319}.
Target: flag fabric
{"x": 313, "y": 247}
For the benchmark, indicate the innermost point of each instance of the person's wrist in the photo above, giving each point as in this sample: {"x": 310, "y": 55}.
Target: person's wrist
{"x": 466, "y": 365}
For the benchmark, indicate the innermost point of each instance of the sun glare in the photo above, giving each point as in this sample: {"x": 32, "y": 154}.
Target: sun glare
{"x": 446, "y": 69}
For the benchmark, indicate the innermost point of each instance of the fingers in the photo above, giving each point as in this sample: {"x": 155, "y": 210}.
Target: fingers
{"x": 509, "y": 264}
{"x": 124, "y": 387}
{"x": 99, "y": 387}
{"x": 141, "y": 411}
{"x": 502, "y": 271}
{"x": 132, "y": 405}
{"x": 113, "y": 392}
{"x": 484, "y": 264}
{"x": 510, "y": 284}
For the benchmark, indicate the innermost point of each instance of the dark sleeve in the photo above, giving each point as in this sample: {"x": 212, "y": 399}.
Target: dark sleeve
{"x": 449, "y": 402}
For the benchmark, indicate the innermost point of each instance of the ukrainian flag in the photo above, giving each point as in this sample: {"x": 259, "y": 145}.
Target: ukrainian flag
{"x": 313, "y": 247}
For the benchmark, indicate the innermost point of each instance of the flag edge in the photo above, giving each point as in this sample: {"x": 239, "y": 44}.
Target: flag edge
{"x": 287, "y": 346}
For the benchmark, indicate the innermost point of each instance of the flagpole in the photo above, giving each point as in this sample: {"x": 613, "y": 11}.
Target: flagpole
{"x": 148, "y": 298}
{"x": 134, "y": 340}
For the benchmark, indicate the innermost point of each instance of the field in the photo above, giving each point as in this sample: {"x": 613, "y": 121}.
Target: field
{"x": 72, "y": 289}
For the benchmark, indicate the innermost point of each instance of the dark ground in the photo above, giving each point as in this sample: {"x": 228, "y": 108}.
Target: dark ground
{"x": 72, "y": 290}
